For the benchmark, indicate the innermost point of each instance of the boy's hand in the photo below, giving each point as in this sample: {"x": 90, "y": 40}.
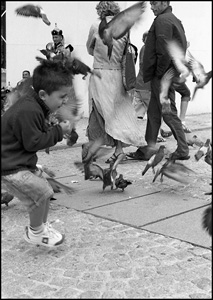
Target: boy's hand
{"x": 66, "y": 126}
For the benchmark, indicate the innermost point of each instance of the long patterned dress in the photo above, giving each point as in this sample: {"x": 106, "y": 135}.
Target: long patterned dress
{"x": 112, "y": 114}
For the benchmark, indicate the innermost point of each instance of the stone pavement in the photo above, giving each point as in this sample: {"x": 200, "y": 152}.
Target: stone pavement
{"x": 145, "y": 242}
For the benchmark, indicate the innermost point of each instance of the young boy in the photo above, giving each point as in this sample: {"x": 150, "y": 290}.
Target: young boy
{"x": 24, "y": 132}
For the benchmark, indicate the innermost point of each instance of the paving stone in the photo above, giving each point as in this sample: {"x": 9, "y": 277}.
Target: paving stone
{"x": 105, "y": 258}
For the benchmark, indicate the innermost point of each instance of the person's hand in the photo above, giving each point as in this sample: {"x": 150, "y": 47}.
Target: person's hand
{"x": 66, "y": 126}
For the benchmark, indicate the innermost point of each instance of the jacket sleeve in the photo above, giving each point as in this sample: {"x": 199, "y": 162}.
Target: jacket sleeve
{"x": 163, "y": 32}
{"x": 29, "y": 129}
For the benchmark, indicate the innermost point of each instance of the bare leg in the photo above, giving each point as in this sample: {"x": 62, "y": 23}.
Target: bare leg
{"x": 183, "y": 109}
{"x": 118, "y": 148}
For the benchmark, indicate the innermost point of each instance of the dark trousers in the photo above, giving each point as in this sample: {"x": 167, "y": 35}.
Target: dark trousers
{"x": 154, "y": 115}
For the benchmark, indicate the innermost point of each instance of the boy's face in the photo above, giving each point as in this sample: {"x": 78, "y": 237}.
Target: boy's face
{"x": 56, "y": 99}
{"x": 57, "y": 38}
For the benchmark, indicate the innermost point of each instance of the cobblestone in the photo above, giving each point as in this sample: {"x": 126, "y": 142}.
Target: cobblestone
{"x": 102, "y": 259}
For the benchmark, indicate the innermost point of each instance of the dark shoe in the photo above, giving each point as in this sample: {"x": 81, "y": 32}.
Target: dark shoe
{"x": 165, "y": 134}
{"x": 177, "y": 156}
{"x": 133, "y": 155}
{"x": 142, "y": 153}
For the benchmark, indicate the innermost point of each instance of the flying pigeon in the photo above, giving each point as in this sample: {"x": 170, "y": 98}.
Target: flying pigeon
{"x": 31, "y": 10}
{"x": 178, "y": 57}
{"x": 155, "y": 159}
{"x": 58, "y": 186}
{"x": 6, "y": 198}
{"x": 207, "y": 219}
{"x": 199, "y": 74}
{"x": 186, "y": 64}
{"x": 208, "y": 156}
{"x": 120, "y": 24}
{"x": 90, "y": 152}
{"x": 55, "y": 184}
{"x": 121, "y": 183}
{"x": 173, "y": 170}
{"x": 81, "y": 68}
{"x": 203, "y": 150}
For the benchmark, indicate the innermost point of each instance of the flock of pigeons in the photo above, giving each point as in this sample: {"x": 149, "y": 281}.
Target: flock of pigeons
{"x": 185, "y": 65}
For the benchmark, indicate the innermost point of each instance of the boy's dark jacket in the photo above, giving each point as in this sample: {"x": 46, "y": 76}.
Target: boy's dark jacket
{"x": 24, "y": 131}
{"x": 156, "y": 60}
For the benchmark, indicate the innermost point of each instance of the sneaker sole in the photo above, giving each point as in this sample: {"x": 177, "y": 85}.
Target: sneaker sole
{"x": 43, "y": 244}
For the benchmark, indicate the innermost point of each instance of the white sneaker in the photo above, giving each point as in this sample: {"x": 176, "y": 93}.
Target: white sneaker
{"x": 48, "y": 238}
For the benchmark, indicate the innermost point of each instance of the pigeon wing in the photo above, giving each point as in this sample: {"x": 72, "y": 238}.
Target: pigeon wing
{"x": 29, "y": 11}
{"x": 124, "y": 20}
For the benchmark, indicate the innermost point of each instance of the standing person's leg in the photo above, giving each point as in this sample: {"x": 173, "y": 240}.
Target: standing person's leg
{"x": 173, "y": 121}
{"x": 183, "y": 109}
{"x": 153, "y": 114}
{"x": 185, "y": 93}
{"x": 141, "y": 102}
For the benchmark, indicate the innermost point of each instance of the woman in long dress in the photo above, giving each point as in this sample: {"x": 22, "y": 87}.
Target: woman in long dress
{"x": 112, "y": 114}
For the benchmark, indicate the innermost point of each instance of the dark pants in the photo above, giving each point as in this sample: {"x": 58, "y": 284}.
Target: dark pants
{"x": 154, "y": 115}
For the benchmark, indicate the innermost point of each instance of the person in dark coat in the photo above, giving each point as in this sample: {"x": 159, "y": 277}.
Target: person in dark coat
{"x": 156, "y": 61}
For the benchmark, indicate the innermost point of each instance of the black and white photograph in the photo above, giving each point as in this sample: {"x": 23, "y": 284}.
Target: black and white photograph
{"x": 106, "y": 149}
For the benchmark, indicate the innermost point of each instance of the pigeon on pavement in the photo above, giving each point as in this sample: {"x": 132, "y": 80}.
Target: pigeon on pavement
{"x": 121, "y": 183}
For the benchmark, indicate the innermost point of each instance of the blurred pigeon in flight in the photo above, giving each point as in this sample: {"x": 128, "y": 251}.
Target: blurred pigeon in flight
{"x": 174, "y": 170}
{"x": 208, "y": 156}
{"x": 178, "y": 57}
{"x": 207, "y": 219}
{"x": 120, "y": 24}
{"x": 31, "y": 10}
{"x": 155, "y": 160}
{"x": 6, "y": 198}
{"x": 199, "y": 74}
{"x": 203, "y": 150}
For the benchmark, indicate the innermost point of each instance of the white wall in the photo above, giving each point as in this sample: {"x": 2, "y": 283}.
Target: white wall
{"x": 25, "y": 35}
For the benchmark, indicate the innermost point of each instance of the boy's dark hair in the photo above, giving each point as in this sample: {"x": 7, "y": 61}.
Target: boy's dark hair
{"x": 51, "y": 75}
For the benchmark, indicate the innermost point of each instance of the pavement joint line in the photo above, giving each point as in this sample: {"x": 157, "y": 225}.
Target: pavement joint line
{"x": 181, "y": 240}
{"x": 124, "y": 200}
{"x": 172, "y": 216}
{"x": 141, "y": 228}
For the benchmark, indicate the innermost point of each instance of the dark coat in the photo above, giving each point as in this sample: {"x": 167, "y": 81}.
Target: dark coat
{"x": 24, "y": 131}
{"x": 156, "y": 60}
